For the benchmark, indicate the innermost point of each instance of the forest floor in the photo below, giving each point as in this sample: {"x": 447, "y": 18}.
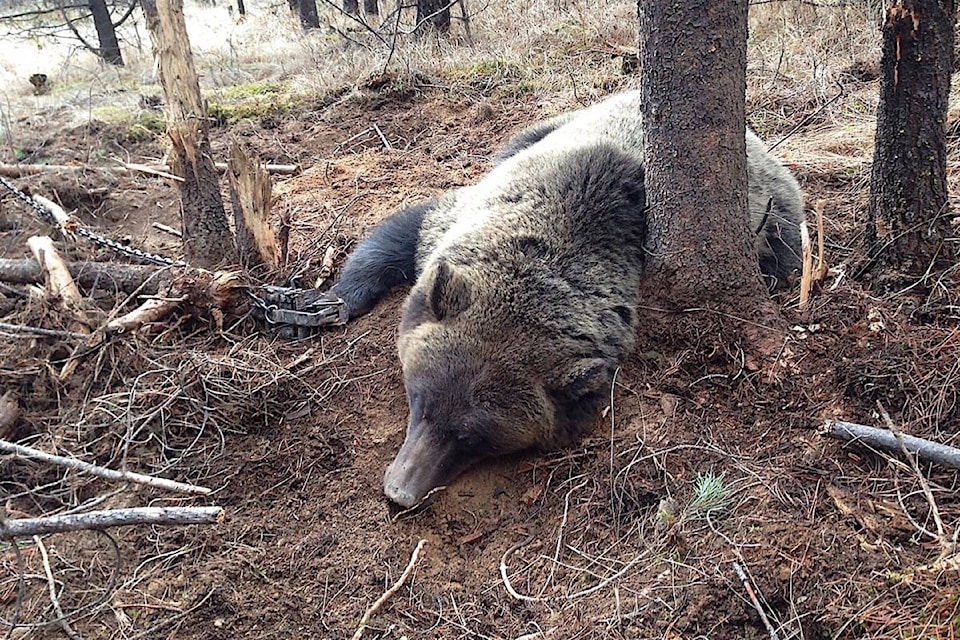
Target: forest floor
{"x": 621, "y": 536}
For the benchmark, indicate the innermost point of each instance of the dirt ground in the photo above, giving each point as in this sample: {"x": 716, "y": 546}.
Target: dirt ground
{"x": 607, "y": 539}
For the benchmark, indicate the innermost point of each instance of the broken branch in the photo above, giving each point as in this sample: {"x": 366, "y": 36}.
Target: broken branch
{"x": 102, "y": 472}
{"x": 109, "y": 518}
{"x": 90, "y": 275}
{"x": 890, "y": 442}
{"x": 365, "y": 620}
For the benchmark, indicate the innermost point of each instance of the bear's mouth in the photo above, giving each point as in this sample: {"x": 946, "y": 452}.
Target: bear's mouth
{"x": 423, "y": 464}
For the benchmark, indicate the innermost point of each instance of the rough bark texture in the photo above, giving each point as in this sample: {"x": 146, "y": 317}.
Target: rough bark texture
{"x": 435, "y": 13}
{"x": 107, "y": 276}
{"x": 906, "y": 217}
{"x": 207, "y": 241}
{"x": 309, "y": 18}
{"x": 250, "y": 198}
{"x": 109, "y": 49}
{"x": 693, "y": 56}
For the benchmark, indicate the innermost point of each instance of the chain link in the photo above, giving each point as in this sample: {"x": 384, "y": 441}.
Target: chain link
{"x": 75, "y": 229}
{"x": 292, "y": 312}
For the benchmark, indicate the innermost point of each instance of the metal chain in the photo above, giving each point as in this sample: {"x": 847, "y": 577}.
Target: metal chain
{"x": 95, "y": 238}
{"x": 294, "y": 312}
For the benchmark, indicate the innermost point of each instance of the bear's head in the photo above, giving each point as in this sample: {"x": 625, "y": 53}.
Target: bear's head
{"x": 495, "y": 360}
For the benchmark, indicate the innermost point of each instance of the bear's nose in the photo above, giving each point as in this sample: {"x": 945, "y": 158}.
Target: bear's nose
{"x": 399, "y": 495}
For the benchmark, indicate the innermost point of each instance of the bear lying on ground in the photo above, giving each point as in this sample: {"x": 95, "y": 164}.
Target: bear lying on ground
{"x": 525, "y": 289}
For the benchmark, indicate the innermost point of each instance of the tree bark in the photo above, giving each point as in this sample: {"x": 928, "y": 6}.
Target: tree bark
{"x": 371, "y": 7}
{"x": 107, "y": 276}
{"x": 906, "y": 221}
{"x": 693, "y": 56}
{"x": 351, "y": 7}
{"x": 207, "y": 241}
{"x": 241, "y": 8}
{"x": 309, "y": 18}
{"x": 109, "y": 49}
{"x": 435, "y": 13}
{"x": 250, "y": 198}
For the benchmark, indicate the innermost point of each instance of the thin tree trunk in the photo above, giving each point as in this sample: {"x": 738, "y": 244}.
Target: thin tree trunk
{"x": 906, "y": 221}
{"x": 109, "y": 49}
{"x": 435, "y": 13}
{"x": 700, "y": 251}
{"x": 241, "y": 8}
{"x": 207, "y": 241}
{"x": 309, "y": 18}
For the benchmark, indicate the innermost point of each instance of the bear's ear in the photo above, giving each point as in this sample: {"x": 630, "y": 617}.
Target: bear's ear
{"x": 448, "y": 292}
{"x": 586, "y": 377}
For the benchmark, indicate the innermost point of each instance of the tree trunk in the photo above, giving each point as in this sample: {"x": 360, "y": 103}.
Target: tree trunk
{"x": 207, "y": 241}
{"x": 241, "y": 8}
{"x": 109, "y": 49}
{"x": 693, "y": 57}
{"x": 435, "y": 13}
{"x": 906, "y": 221}
{"x": 309, "y": 18}
{"x": 371, "y": 7}
{"x": 351, "y": 7}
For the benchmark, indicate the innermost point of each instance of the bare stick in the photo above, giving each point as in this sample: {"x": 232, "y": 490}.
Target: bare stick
{"x": 753, "y": 598}
{"x": 806, "y": 277}
{"x": 60, "y": 281}
{"x": 58, "y": 213}
{"x": 102, "y": 472}
{"x": 924, "y": 485}
{"x": 52, "y": 585}
{"x": 365, "y": 620}
{"x": 160, "y": 172}
{"x": 109, "y": 518}
{"x": 888, "y": 441}
{"x": 39, "y": 331}
{"x": 162, "y": 227}
{"x": 326, "y": 267}
{"x": 152, "y": 310}
{"x": 383, "y": 138}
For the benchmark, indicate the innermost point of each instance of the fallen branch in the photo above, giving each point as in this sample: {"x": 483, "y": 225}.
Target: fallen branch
{"x": 39, "y": 331}
{"x": 806, "y": 277}
{"x": 890, "y": 442}
{"x": 160, "y": 170}
{"x": 152, "y": 310}
{"x": 20, "y": 527}
{"x": 166, "y": 229}
{"x": 102, "y": 472}
{"x": 365, "y": 620}
{"x": 59, "y": 281}
{"x": 326, "y": 267}
{"x": 89, "y": 275}
{"x": 52, "y": 589}
{"x": 153, "y": 171}
{"x": 741, "y": 574}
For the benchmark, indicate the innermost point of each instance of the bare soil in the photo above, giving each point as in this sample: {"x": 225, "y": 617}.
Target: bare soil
{"x": 603, "y": 540}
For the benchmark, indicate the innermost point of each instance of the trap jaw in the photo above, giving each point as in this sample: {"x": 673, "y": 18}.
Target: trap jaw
{"x": 299, "y": 313}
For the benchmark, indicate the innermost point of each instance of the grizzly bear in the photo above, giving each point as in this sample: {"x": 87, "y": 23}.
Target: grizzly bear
{"x": 525, "y": 289}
